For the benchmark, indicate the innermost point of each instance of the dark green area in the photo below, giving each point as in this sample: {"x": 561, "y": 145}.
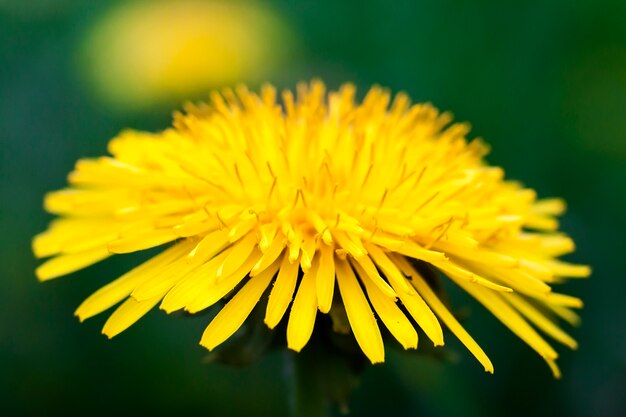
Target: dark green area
{"x": 544, "y": 82}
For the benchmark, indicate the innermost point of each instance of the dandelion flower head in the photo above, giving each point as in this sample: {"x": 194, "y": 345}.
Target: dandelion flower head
{"x": 314, "y": 201}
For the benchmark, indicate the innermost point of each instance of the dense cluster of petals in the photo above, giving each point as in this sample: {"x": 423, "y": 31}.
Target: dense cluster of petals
{"x": 318, "y": 202}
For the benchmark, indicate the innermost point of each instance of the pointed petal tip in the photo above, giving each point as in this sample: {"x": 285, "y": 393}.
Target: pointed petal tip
{"x": 295, "y": 348}
{"x": 108, "y": 333}
{"x": 40, "y": 251}
{"x": 556, "y": 372}
{"x": 80, "y": 316}
{"x": 44, "y": 273}
{"x": 379, "y": 359}
{"x": 40, "y": 276}
{"x": 206, "y": 345}
{"x": 167, "y": 307}
{"x": 486, "y": 362}
{"x": 192, "y": 309}
{"x": 270, "y": 325}
{"x": 550, "y": 356}
{"x": 437, "y": 337}
{"x": 412, "y": 344}
{"x": 324, "y": 309}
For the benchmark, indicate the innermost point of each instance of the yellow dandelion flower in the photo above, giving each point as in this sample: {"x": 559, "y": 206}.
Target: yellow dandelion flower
{"x": 323, "y": 203}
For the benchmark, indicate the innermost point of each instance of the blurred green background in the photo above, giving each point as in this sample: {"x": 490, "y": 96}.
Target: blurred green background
{"x": 544, "y": 82}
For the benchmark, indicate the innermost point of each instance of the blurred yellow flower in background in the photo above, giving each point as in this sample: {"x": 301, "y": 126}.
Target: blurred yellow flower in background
{"x": 145, "y": 53}
{"x": 324, "y": 204}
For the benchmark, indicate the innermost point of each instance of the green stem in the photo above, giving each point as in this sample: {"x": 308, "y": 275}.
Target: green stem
{"x": 308, "y": 398}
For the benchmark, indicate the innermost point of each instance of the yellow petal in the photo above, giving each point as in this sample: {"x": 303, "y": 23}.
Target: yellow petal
{"x": 209, "y": 246}
{"x": 268, "y": 232}
{"x": 68, "y": 236}
{"x": 360, "y": 316}
{"x": 453, "y": 269}
{"x": 294, "y": 239}
{"x": 163, "y": 280}
{"x": 127, "y": 314}
{"x": 455, "y": 327}
{"x": 556, "y": 372}
{"x": 85, "y": 243}
{"x": 350, "y": 244}
{"x": 46, "y": 244}
{"x": 388, "y": 311}
{"x": 282, "y": 292}
{"x": 565, "y": 313}
{"x": 232, "y": 316}
{"x": 143, "y": 241}
{"x": 551, "y": 206}
{"x": 370, "y": 269}
{"x": 65, "y": 264}
{"x": 303, "y": 312}
{"x": 77, "y": 234}
{"x": 537, "y": 269}
{"x": 239, "y": 253}
{"x": 269, "y": 255}
{"x": 207, "y": 294}
{"x": 241, "y": 229}
{"x": 516, "y": 279}
{"x": 563, "y": 300}
{"x": 540, "y": 320}
{"x": 416, "y": 306}
{"x": 541, "y": 222}
{"x": 325, "y": 280}
{"x": 390, "y": 269}
{"x": 308, "y": 253}
{"x": 564, "y": 269}
{"x": 194, "y": 229}
{"x": 413, "y": 250}
{"x": 186, "y": 289}
{"x": 509, "y": 317}
{"x": 117, "y": 290}
{"x": 477, "y": 255}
